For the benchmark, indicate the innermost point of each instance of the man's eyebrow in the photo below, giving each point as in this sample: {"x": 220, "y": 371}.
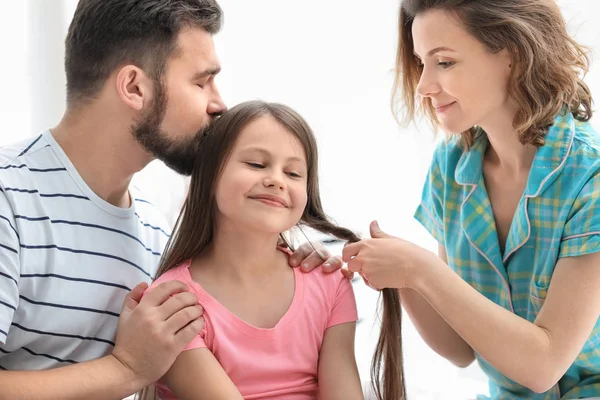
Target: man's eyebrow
{"x": 206, "y": 73}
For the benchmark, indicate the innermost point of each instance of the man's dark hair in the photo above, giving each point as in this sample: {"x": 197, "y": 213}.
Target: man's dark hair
{"x": 107, "y": 34}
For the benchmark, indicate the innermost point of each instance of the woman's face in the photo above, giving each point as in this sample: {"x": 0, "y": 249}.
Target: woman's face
{"x": 465, "y": 83}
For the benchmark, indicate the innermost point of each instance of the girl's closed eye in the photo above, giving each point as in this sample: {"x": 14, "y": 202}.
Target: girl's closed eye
{"x": 294, "y": 174}
{"x": 255, "y": 165}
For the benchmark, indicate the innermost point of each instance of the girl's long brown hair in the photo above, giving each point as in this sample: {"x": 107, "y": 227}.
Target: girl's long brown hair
{"x": 548, "y": 65}
{"x": 195, "y": 226}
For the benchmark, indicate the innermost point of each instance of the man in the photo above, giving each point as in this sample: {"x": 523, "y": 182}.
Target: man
{"x": 75, "y": 239}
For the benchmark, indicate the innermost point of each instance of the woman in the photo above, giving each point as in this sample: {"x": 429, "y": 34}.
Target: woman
{"x": 511, "y": 197}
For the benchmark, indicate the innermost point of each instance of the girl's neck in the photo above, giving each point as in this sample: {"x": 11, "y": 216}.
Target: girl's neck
{"x": 243, "y": 255}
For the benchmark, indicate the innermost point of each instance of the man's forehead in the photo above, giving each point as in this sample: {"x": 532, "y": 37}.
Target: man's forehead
{"x": 196, "y": 45}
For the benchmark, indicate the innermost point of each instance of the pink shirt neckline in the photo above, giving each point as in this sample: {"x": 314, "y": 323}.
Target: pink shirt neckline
{"x": 206, "y": 298}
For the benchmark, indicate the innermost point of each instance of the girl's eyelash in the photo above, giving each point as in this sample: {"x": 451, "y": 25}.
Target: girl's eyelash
{"x": 260, "y": 166}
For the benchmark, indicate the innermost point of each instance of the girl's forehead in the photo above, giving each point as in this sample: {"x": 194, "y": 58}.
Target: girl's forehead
{"x": 267, "y": 135}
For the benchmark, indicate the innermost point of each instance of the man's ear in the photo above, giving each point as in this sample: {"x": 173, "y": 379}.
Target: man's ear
{"x": 134, "y": 87}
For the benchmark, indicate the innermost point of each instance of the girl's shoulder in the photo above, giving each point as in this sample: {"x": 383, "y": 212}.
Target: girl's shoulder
{"x": 179, "y": 273}
{"x": 326, "y": 286}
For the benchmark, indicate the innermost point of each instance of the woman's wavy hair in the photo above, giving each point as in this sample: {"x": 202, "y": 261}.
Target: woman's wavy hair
{"x": 548, "y": 65}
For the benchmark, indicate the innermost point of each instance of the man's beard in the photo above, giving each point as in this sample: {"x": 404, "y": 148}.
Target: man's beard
{"x": 179, "y": 155}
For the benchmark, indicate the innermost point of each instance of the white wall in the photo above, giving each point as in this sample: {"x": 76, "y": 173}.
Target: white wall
{"x": 332, "y": 61}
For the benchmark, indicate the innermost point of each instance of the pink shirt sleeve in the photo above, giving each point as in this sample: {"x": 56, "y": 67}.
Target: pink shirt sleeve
{"x": 197, "y": 342}
{"x": 344, "y": 304}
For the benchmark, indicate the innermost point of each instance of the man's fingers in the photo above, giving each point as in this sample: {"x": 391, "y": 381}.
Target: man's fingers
{"x": 333, "y": 263}
{"x": 300, "y": 254}
{"x": 176, "y": 303}
{"x": 185, "y": 335}
{"x": 322, "y": 251}
{"x": 159, "y": 294}
{"x": 134, "y": 296}
{"x": 311, "y": 262}
{"x": 183, "y": 317}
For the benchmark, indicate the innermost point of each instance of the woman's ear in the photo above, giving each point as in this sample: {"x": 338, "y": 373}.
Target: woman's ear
{"x": 508, "y": 59}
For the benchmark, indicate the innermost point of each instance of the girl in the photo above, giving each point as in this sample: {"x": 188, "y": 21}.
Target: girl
{"x": 271, "y": 331}
{"x": 512, "y": 197}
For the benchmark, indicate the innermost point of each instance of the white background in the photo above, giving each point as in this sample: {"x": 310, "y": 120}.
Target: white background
{"x": 332, "y": 60}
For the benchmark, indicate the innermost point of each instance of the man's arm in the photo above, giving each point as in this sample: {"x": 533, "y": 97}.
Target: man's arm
{"x": 152, "y": 332}
{"x": 103, "y": 379}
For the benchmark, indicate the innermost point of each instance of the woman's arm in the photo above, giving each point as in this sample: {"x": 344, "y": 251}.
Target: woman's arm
{"x": 536, "y": 355}
{"x": 436, "y": 332}
{"x": 197, "y": 375}
{"x": 338, "y": 374}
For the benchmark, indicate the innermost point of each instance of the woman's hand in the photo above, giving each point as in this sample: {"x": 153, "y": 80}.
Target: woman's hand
{"x": 386, "y": 261}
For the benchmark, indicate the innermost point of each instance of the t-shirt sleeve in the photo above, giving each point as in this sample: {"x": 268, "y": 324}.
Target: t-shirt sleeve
{"x": 9, "y": 266}
{"x": 581, "y": 233}
{"x": 344, "y": 304}
{"x": 198, "y": 341}
{"x": 430, "y": 210}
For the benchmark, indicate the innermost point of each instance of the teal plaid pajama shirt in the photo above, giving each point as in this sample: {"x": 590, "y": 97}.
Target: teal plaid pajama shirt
{"x": 558, "y": 216}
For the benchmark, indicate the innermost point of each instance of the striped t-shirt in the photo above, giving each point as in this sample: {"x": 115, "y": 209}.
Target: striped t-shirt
{"x": 67, "y": 258}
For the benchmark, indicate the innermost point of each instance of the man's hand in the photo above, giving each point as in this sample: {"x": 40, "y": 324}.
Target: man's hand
{"x": 153, "y": 330}
{"x": 309, "y": 257}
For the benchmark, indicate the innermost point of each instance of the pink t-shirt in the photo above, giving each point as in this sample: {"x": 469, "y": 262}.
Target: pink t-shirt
{"x": 276, "y": 363}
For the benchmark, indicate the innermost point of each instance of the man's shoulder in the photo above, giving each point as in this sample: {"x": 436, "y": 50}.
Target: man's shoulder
{"x": 27, "y": 159}
{"x": 149, "y": 213}
{"x": 24, "y": 148}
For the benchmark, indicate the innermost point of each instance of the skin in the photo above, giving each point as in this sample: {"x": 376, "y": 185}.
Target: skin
{"x": 451, "y": 316}
{"x": 99, "y": 140}
{"x": 261, "y": 193}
